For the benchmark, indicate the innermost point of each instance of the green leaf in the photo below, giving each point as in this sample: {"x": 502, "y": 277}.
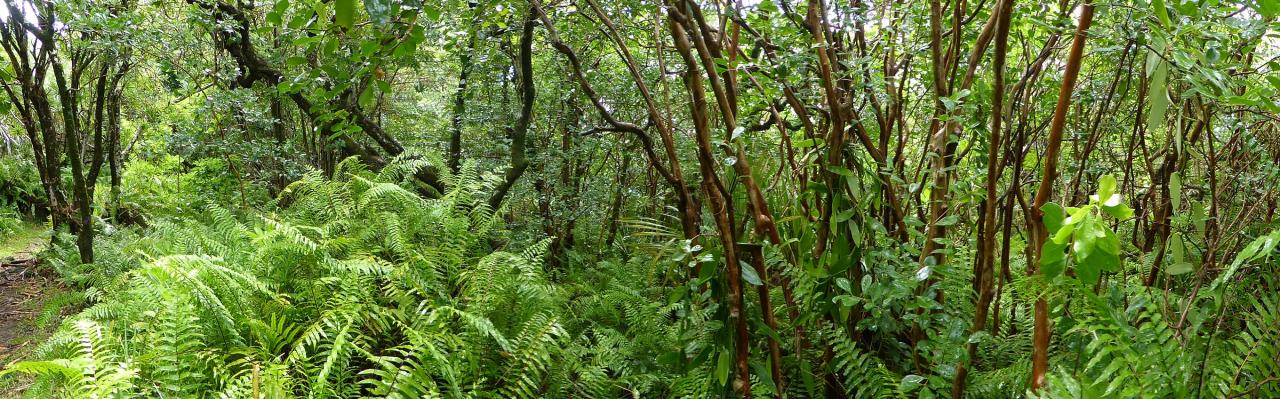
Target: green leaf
{"x": 432, "y": 12}
{"x": 298, "y": 21}
{"x": 1273, "y": 79}
{"x": 1089, "y": 269}
{"x": 1053, "y": 216}
{"x": 1180, "y": 268}
{"x": 366, "y": 97}
{"x": 749, "y": 274}
{"x": 843, "y": 216}
{"x": 1178, "y": 248}
{"x": 722, "y": 367}
{"x": 1175, "y": 189}
{"x": 1268, "y": 8}
{"x": 844, "y": 284}
{"x": 979, "y": 336}
{"x": 910, "y": 383}
{"x": 767, "y": 7}
{"x": 1109, "y": 241}
{"x": 1162, "y": 12}
{"x": 1084, "y": 239}
{"x": 1077, "y": 215}
{"x": 1053, "y": 259}
{"x": 670, "y": 359}
{"x": 344, "y": 12}
{"x": 1159, "y": 95}
{"x": 949, "y": 220}
{"x": 1121, "y": 211}
{"x": 806, "y": 143}
{"x": 1106, "y": 187}
{"x": 1064, "y": 234}
{"x": 766, "y": 377}
{"x": 842, "y": 171}
{"x": 1198, "y": 217}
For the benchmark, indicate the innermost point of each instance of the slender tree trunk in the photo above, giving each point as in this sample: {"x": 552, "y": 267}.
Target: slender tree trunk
{"x": 619, "y": 191}
{"x": 524, "y": 72}
{"x": 460, "y": 105}
{"x": 715, "y": 193}
{"x": 1040, "y": 334}
{"x": 984, "y": 264}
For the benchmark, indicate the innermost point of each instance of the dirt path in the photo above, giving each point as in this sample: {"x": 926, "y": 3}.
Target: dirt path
{"x": 22, "y": 289}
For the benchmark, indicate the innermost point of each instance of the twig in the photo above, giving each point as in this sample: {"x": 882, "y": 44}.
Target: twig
{"x": 1254, "y": 387}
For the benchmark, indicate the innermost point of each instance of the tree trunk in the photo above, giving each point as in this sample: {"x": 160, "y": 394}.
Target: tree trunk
{"x": 984, "y": 263}
{"x": 1040, "y": 334}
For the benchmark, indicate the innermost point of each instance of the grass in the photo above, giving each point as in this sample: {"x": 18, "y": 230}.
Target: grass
{"x": 29, "y": 234}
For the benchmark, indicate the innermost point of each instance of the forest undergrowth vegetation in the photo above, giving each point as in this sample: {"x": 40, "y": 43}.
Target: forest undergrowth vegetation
{"x": 359, "y": 286}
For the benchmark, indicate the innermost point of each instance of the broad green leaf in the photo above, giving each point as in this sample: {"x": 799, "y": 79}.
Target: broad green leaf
{"x": 923, "y": 273}
{"x": 979, "y": 336}
{"x": 1053, "y": 216}
{"x": 910, "y": 383}
{"x": 949, "y": 220}
{"x": 1175, "y": 189}
{"x": 840, "y": 170}
{"x": 1112, "y": 200}
{"x": 844, "y": 284}
{"x": 1198, "y": 216}
{"x": 1076, "y": 215}
{"x": 1106, "y": 187}
{"x": 1064, "y": 234}
{"x": 1268, "y": 8}
{"x": 1109, "y": 241}
{"x": 1176, "y": 246}
{"x": 1085, "y": 238}
{"x": 1053, "y": 259}
{"x": 1162, "y": 13}
{"x": 722, "y": 367}
{"x": 344, "y": 12}
{"x": 1120, "y": 211}
{"x": 749, "y": 274}
{"x": 432, "y": 12}
{"x": 1159, "y": 96}
{"x": 806, "y": 143}
{"x": 842, "y": 216}
{"x": 1180, "y": 268}
{"x": 1089, "y": 269}
{"x": 762, "y": 370}
{"x": 767, "y": 7}
{"x": 298, "y": 21}
{"x": 366, "y": 97}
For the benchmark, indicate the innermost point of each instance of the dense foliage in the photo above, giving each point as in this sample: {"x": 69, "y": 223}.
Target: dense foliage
{"x": 647, "y": 199}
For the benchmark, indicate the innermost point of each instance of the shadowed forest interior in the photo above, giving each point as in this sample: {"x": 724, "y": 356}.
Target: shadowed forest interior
{"x": 274, "y": 199}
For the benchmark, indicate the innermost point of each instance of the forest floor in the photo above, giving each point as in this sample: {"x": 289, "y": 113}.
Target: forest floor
{"x": 24, "y": 287}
